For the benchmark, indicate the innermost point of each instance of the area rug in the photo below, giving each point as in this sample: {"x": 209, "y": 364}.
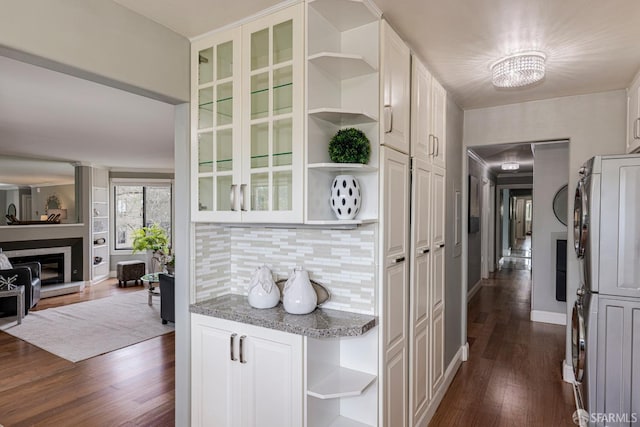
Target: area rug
{"x": 79, "y": 331}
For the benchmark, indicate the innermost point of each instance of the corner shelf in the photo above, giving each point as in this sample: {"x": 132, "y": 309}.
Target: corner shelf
{"x": 344, "y": 15}
{"x": 342, "y": 382}
{"x": 341, "y": 117}
{"x": 347, "y": 422}
{"x": 342, "y": 65}
{"x": 340, "y": 222}
{"x": 341, "y": 167}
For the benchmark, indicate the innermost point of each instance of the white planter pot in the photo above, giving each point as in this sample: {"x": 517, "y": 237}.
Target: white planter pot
{"x": 346, "y": 196}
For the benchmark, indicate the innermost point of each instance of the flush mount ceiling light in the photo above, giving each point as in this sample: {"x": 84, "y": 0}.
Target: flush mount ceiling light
{"x": 510, "y": 166}
{"x": 521, "y": 69}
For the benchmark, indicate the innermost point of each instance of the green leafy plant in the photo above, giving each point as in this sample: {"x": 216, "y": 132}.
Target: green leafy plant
{"x": 349, "y": 145}
{"x": 152, "y": 238}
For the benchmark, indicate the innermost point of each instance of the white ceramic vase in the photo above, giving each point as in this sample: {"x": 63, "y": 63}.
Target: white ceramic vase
{"x": 299, "y": 296}
{"x": 346, "y": 196}
{"x": 263, "y": 292}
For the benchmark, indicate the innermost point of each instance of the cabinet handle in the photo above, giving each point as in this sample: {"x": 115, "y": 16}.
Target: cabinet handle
{"x": 233, "y": 357}
{"x": 388, "y": 119}
{"x": 398, "y": 260}
{"x": 635, "y": 129}
{"x": 431, "y": 146}
{"x": 441, "y": 245}
{"x": 437, "y": 148}
{"x": 243, "y": 188}
{"x": 242, "y": 360}
{"x": 232, "y": 197}
{"x": 424, "y": 251}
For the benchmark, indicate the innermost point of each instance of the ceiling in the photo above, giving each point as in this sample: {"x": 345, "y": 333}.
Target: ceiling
{"x": 17, "y": 172}
{"x": 53, "y": 116}
{"x": 591, "y": 46}
{"x": 495, "y": 155}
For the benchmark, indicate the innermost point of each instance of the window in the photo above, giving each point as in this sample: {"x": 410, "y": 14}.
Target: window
{"x": 137, "y": 205}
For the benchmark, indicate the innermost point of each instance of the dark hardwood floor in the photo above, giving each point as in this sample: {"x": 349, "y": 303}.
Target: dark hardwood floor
{"x": 133, "y": 386}
{"x": 514, "y": 373}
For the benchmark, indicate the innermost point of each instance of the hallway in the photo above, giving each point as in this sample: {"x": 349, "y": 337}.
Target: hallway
{"x": 514, "y": 372}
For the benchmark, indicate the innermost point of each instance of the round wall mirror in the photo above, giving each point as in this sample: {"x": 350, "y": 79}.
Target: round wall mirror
{"x": 560, "y": 204}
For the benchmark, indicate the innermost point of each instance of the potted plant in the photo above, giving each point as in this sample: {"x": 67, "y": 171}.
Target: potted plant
{"x": 153, "y": 238}
{"x": 349, "y": 145}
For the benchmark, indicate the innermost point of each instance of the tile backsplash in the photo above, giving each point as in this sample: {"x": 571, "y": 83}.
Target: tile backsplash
{"x": 344, "y": 261}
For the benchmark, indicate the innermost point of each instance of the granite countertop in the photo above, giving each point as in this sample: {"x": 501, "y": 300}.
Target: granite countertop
{"x": 321, "y": 323}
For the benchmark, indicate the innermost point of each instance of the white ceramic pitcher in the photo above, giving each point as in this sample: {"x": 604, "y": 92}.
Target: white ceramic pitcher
{"x": 263, "y": 292}
{"x": 299, "y": 295}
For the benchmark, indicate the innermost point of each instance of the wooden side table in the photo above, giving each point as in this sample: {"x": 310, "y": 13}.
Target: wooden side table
{"x": 18, "y": 292}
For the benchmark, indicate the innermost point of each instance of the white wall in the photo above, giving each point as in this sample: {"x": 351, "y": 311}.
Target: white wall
{"x": 98, "y": 40}
{"x": 549, "y": 175}
{"x": 594, "y": 124}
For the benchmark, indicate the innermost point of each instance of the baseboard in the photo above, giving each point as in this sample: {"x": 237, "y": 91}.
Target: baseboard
{"x": 474, "y": 290}
{"x": 567, "y": 372}
{"x": 465, "y": 352}
{"x": 549, "y": 317}
{"x": 449, "y": 374}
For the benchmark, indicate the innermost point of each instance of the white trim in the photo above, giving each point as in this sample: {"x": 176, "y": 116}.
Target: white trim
{"x": 515, "y": 175}
{"x": 567, "y": 372}
{"x": 477, "y": 158}
{"x": 149, "y": 181}
{"x": 449, "y": 374}
{"x": 549, "y": 317}
{"x": 474, "y": 290}
{"x": 265, "y": 12}
{"x": 465, "y": 352}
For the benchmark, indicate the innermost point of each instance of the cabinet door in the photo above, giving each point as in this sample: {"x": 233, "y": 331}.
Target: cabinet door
{"x": 272, "y": 389}
{"x": 272, "y": 173}
{"x": 620, "y": 227}
{"x": 213, "y": 386}
{"x": 420, "y": 267}
{"x": 396, "y": 70}
{"x": 395, "y": 293}
{"x": 439, "y": 121}
{"x": 437, "y": 350}
{"x": 215, "y": 123}
{"x": 618, "y": 370}
{"x": 421, "y": 136}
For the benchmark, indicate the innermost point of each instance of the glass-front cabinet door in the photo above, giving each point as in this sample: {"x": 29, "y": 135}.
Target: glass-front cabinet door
{"x": 216, "y": 127}
{"x": 272, "y": 170}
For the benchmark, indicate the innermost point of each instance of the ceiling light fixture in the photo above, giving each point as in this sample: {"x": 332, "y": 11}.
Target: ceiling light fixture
{"x": 521, "y": 69}
{"x": 510, "y": 166}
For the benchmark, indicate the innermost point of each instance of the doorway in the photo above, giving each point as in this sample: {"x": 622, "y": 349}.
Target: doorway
{"x": 515, "y": 223}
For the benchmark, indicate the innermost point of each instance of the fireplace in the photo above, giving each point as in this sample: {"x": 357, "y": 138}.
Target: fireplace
{"x": 55, "y": 262}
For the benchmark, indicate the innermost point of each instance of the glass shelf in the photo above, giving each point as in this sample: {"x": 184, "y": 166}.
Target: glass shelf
{"x": 260, "y": 156}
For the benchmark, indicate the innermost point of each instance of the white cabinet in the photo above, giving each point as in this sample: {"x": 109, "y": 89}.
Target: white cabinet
{"x": 618, "y": 360}
{"x": 395, "y": 79}
{"x": 633, "y": 116}
{"x": 247, "y": 110}
{"x": 243, "y": 375}
{"x": 342, "y": 92}
{"x": 395, "y": 286}
{"x": 99, "y": 225}
{"x": 437, "y": 277}
{"x": 428, "y": 116}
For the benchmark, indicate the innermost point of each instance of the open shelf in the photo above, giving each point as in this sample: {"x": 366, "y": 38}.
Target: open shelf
{"x": 342, "y": 167}
{"x": 341, "y": 117}
{"x": 342, "y": 382}
{"x": 344, "y": 15}
{"x": 340, "y": 222}
{"x": 347, "y": 422}
{"x": 342, "y": 65}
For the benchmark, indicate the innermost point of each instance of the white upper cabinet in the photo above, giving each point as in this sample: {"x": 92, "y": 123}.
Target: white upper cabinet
{"x": 633, "y": 117}
{"x": 396, "y": 72}
{"x": 247, "y": 111}
{"x": 428, "y": 116}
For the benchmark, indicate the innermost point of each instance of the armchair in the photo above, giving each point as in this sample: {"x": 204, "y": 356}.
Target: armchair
{"x": 28, "y": 275}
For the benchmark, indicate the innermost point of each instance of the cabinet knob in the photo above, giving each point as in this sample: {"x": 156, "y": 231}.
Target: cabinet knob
{"x": 398, "y": 260}
{"x": 425, "y": 251}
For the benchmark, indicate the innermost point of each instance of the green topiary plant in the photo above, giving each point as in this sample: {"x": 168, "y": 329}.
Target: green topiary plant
{"x": 349, "y": 145}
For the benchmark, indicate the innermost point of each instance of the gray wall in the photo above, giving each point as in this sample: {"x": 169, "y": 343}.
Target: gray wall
{"x": 98, "y": 40}
{"x": 453, "y": 261}
{"x": 515, "y": 180}
{"x": 594, "y": 124}
{"x": 550, "y": 174}
{"x": 66, "y": 195}
{"x": 474, "y": 249}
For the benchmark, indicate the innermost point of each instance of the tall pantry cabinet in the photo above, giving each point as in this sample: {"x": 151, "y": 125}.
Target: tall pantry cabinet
{"x": 412, "y": 261}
